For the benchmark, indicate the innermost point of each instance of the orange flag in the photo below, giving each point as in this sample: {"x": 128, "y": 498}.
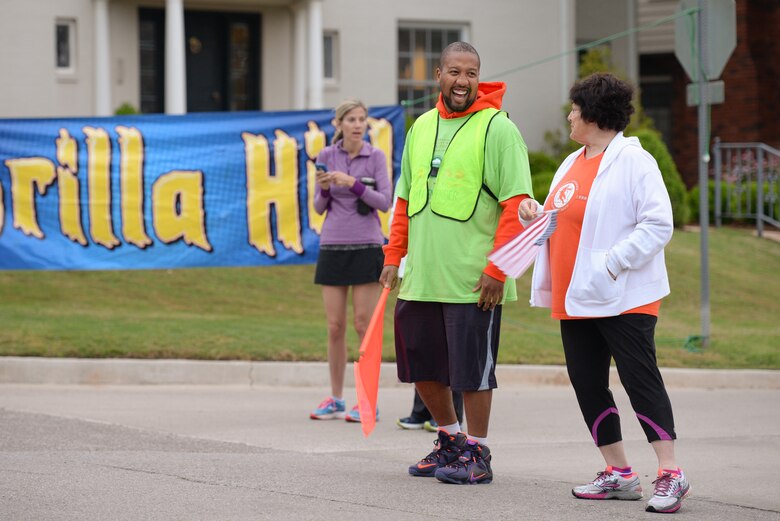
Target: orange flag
{"x": 368, "y": 366}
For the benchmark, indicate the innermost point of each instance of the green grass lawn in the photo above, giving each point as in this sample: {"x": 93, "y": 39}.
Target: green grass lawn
{"x": 276, "y": 313}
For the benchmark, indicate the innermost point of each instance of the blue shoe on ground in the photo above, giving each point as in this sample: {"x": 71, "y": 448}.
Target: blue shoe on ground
{"x": 354, "y": 415}
{"x": 329, "y": 409}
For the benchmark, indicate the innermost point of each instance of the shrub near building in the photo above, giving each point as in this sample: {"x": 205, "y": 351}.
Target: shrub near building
{"x": 543, "y": 169}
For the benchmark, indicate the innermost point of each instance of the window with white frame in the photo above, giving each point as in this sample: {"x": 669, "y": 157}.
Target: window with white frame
{"x": 65, "y": 46}
{"x": 419, "y": 48}
{"x": 330, "y": 48}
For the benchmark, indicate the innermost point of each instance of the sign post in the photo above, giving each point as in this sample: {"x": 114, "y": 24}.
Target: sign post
{"x": 704, "y": 186}
{"x": 703, "y": 48}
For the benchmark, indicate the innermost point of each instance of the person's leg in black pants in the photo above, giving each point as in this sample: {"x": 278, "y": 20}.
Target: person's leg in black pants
{"x": 420, "y": 413}
{"x": 587, "y": 362}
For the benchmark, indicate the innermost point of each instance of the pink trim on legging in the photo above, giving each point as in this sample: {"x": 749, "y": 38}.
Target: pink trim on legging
{"x": 595, "y": 428}
{"x": 662, "y": 434}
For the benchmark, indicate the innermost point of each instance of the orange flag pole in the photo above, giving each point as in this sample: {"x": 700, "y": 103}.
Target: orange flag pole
{"x": 368, "y": 365}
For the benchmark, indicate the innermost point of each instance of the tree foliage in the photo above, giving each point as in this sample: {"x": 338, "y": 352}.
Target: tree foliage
{"x": 558, "y": 145}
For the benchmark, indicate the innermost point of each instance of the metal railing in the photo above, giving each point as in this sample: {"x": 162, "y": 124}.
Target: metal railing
{"x": 748, "y": 172}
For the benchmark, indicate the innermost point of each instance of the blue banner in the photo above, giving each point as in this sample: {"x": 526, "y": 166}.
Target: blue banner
{"x": 156, "y": 191}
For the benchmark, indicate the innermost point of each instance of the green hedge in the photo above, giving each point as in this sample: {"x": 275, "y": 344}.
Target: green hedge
{"x": 125, "y": 109}
{"x": 541, "y": 162}
{"x": 652, "y": 142}
{"x": 752, "y": 188}
{"x": 541, "y": 184}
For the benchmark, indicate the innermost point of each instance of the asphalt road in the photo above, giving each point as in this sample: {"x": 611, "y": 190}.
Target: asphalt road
{"x": 154, "y": 452}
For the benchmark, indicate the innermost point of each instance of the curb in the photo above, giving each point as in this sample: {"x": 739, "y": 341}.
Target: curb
{"x": 114, "y": 371}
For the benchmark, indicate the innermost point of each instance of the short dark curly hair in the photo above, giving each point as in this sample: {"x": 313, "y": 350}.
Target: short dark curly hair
{"x": 604, "y": 100}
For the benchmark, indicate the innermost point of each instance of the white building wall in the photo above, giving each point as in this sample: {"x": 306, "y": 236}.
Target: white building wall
{"x": 597, "y": 19}
{"x": 659, "y": 39}
{"x": 125, "y": 56}
{"x": 276, "y": 46}
{"x": 508, "y": 34}
{"x": 29, "y": 84}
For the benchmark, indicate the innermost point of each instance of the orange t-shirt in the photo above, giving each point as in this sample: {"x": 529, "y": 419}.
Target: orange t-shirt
{"x": 570, "y": 199}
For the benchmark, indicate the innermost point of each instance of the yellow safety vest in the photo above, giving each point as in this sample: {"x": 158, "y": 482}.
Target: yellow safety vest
{"x": 460, "y": 174}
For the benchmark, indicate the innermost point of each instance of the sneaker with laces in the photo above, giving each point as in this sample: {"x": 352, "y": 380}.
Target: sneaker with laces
{"x": 446, "y": 450}
{"x": 354, "y": 415}
{"x": 471, "y": 468}
{"x": 329, "y": 409}
{"x": 670, "y": 490}
{"x": 610, "y": 485}
{"x": 410, "y": 423}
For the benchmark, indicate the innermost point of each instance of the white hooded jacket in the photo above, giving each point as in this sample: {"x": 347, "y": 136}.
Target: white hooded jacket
{"x": 627, "y": 223}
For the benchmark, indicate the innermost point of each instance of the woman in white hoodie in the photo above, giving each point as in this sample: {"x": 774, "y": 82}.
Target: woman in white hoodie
{"x": 603, "y": 275}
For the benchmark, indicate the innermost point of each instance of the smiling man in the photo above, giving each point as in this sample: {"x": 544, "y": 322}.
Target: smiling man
{"x": 464, "y": 172}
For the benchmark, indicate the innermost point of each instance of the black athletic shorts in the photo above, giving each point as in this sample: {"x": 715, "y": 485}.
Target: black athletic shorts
{"x": 348, "y": 265}
{"x": 453, "y": 344}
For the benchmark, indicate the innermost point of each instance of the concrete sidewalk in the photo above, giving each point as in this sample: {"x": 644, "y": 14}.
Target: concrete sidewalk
{"x": 33, "y": 370}
{"x": 216, "y": 452}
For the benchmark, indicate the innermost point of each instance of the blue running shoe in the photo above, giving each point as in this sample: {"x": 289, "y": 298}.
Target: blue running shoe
{"x": 471, "y": 468}
{"x": 446, "y": 450}
{"x": 354, "y": 415}
{"x": 329, "y": 409}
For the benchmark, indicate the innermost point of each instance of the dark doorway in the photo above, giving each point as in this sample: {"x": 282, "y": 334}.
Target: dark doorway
{"x": 222, "y": 60}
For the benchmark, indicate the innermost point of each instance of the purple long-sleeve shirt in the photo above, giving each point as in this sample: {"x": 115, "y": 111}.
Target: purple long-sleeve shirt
{"x": 343, "y": 224}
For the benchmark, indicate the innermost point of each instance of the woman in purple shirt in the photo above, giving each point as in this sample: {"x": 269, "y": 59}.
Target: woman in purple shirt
{"x": 352, "y": 185}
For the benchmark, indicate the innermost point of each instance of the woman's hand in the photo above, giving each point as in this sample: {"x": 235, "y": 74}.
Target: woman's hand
{"x": 323, "y": 179}
{"x": 342, "y": 179}
{"x": 528, "y": 209}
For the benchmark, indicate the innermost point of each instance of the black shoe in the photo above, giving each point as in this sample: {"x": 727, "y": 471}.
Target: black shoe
{"x": 410, "y": 423}
{"x": 472, "y": 467}
{"x": 447, "y": 451}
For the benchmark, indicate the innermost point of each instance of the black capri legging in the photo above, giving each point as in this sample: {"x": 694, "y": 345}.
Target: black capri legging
{"x": 589, "y": 345}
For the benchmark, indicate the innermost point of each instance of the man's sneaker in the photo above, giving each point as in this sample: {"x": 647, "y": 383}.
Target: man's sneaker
{"x": 354, "y": 415}
{"x": 447, "y": 449}
{"x": 410, "y": 423}
{"x": 610, "y": 485}
{"x": 431, "y": 426}
{"x": 471, "y": 468}
{"x": 670, "y": 490}
{"x": 329, "y": 409}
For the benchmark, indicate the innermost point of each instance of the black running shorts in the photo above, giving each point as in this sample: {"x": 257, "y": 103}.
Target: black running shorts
{"x": 453, "y": 344}
{"x": 348, "y": 265}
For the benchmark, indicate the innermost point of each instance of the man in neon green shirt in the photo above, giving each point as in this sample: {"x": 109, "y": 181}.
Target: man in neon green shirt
{"x": 463, "y": 175}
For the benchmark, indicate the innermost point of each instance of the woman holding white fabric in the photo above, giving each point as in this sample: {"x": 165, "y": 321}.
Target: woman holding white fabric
{"x": 603, "y": 275}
